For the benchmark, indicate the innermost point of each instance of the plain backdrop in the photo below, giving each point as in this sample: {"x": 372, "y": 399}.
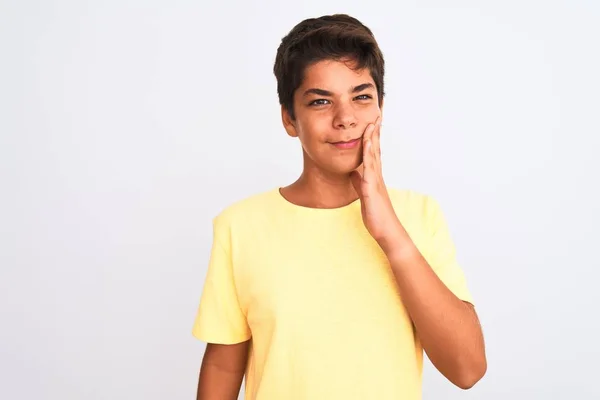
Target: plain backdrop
{"x": 126, "y": 126}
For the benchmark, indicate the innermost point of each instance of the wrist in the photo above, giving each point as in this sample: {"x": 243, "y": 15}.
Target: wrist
{"x": 397, "y": 243}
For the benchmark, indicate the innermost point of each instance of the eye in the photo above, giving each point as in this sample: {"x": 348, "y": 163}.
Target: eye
{"x": 319, "y": 102}
{"x": 363, "y": 97}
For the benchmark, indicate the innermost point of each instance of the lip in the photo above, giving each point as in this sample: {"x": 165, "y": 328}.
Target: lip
{"x": 350, "y": 144}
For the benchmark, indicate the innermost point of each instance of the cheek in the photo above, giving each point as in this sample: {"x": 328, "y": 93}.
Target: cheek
{"x": 367, "y": 116}
{"x": 314, "y": 130}
{"x": 372, "y": 113}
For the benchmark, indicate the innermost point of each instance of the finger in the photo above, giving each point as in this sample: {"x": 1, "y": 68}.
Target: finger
{"x": 368, "y": 161}
{"x": 374, "y": 143}
{"x": 367, "y": 135}
{"x": 377, "y": 137}
{"x": 377, "y": 144}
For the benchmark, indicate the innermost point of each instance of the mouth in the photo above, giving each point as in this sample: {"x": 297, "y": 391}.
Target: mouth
{"x": 350, "y": 144}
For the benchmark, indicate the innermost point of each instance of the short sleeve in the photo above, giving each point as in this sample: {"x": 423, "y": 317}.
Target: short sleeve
{"x": 442, "y": 253}
{"x": 220, "y": 318}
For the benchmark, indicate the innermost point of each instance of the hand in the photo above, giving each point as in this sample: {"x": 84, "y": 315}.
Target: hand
{"x": 377, "y": 210}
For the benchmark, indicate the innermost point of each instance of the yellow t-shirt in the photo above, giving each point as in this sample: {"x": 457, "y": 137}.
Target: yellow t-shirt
{"x": 316, "y": 295}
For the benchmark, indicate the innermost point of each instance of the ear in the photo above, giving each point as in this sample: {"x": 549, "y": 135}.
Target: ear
{"x": 288, "y": 123}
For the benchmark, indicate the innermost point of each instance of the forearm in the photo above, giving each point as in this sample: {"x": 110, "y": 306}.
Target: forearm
{"x": 216, "y": 383}
{"x": 222, "y": 371}
{"x": 448, "y": 328}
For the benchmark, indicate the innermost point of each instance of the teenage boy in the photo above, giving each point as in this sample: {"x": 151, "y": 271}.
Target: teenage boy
{"x": 332, "y": 287}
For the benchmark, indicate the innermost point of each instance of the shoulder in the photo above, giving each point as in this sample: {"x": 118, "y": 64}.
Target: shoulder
{"x": 247, "y": 208}
{"x": 415, "y": 206}
{"x": 412, "y": 199}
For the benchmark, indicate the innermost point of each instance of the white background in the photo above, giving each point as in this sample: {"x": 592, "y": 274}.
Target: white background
{"x": 125, "y": 126}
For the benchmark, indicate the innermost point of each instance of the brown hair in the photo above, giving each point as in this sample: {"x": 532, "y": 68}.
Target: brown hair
{"x": 330, "y": 37}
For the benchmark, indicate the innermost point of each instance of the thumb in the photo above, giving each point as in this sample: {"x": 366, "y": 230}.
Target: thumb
{"x": 356, "y": 179}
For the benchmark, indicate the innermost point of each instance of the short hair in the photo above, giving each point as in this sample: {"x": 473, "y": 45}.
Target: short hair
{"x": 331, "y": 37}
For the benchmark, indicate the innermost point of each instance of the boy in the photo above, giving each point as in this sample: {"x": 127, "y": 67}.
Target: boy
{"x": 332, "y": 287}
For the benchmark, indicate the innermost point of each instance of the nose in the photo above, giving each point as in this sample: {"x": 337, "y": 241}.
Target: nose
{"x": 344, "y": 117}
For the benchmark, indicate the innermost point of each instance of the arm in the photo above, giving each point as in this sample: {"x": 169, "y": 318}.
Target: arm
{"x": 448, "y": 327}
{"x": 221, "y": 319}
{"x": 222, "y": 371}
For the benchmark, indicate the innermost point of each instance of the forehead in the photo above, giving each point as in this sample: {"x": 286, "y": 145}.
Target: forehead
{"x": 335, "y": 76}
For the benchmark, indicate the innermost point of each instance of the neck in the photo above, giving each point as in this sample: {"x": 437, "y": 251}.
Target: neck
{"x": 318, "y": 189}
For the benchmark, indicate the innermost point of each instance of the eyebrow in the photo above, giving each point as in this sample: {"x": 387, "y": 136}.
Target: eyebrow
{"x": 323, "y": 92}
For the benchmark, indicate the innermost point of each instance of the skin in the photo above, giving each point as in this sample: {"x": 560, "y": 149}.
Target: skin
{"x": 337, "y": 102}
{"x": 324, "y": 119}
{"x": 448, "y": 327}
{"x": 222, "y": 371}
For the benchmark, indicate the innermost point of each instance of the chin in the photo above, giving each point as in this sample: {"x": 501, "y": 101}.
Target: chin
{"x": 344, "y": 168}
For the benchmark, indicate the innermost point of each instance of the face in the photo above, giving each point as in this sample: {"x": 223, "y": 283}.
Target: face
{"x": 333, "y": 107}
